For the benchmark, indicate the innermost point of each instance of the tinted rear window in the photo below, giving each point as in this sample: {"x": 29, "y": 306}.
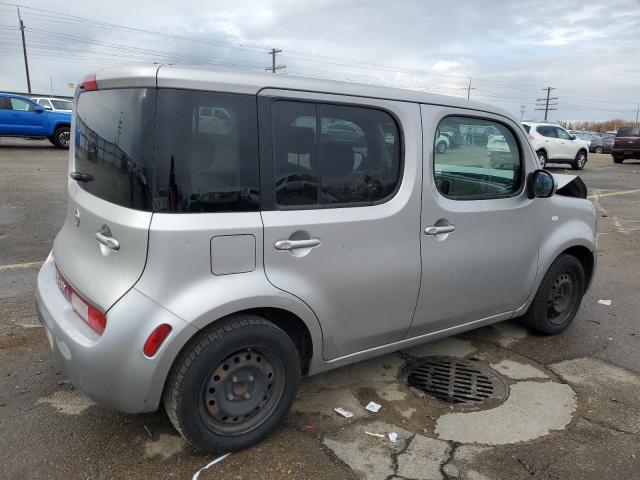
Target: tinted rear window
{"x": 630, "y": 131}
{"x": 206, "y": 152}
{"x": 114, "y": 143}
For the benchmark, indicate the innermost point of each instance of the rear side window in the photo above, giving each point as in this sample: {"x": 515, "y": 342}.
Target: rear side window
{"x": 114, "y": 143}
{"x": 334, "y": 155}
{"x": 206, "y": 152}
{"x": 547, "y": 131}
{"x": 630, "y": 131}
{"x": 485, "y": 165}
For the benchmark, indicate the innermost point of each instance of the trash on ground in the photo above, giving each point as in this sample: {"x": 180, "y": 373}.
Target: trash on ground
{"x": 219, "y": 459}
{"x": 308, "y": 427}
{"x": 393, "y": 436}
{"x": 343, "y": 412}
{"x": 373, "y": 407}
{"x": 605, "y": 302}
{"x": 379, "y": 435}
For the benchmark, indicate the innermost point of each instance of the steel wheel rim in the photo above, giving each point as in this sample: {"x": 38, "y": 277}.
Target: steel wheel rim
{"x": 64, "y": 138}
{"x": 239, "y": 398}
{"x": 561, "y": 298}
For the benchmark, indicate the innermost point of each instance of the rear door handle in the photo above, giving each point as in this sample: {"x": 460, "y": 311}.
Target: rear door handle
{"x": 295, "y": 244}
{"x": 433, "y": 230}
{"x": 108, "y": 241}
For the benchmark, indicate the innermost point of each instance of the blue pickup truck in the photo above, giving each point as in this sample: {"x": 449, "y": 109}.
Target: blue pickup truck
{"x": 22, "y": 117}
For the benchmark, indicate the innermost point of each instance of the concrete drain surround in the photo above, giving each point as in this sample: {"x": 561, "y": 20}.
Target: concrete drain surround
{"x": 456, "y": 381}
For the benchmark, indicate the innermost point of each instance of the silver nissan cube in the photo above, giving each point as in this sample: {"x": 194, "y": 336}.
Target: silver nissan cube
{"x": 228, "y": 233}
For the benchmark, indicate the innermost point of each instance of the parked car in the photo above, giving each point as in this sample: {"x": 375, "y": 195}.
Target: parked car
{"x": 54, "y": 104}
{"x": 594, "y": 140}
{"x": 607, "y": 142}
{"x": 554, "y": 144}
{"x": 22, "y": 117}
{"x": 217, "y": 314}
{"x": 626, "y": 144}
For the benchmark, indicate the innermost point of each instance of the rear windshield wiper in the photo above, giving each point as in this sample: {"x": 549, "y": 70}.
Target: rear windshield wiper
{"x": 81, "y": 177}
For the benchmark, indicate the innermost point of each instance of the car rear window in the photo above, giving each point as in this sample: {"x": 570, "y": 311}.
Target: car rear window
{"x": 114, "y": 143}
{"x": 630, "y": 131}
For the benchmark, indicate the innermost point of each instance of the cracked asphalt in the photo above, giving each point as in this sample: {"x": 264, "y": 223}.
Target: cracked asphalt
{"x": 572, "y": 410}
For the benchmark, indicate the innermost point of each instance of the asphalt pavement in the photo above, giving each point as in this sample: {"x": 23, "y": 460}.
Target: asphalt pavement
{"x": 571, "y": 409}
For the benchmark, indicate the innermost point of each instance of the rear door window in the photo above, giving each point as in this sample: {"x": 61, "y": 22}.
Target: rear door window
{"x": 114, "y": 143}
{"x": 334, "y": 155}
{"x": 206, "y": 152}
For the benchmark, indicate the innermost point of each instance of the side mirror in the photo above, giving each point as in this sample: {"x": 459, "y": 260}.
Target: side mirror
{"x": 38, "y": 109}
{"x": 540, "y": 184}
{"x": 47, "y": 107}
{"x": 573, "y": 137}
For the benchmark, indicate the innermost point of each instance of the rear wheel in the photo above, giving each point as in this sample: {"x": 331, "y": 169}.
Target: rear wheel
{"x": 233, "y": 384}
{"x": 580, "y": 160}
{"x": 617, "y": 160}
{"x": 558, "y": 298}
{"x": 542, "y": 157}
{"x": 62, "y": 137}
{"x": 441, "y": 147}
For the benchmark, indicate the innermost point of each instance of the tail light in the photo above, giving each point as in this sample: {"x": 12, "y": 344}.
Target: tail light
{"x": 93, "y": 317}
{"x": 156, "y": 338}
{"x": 89, "y": 83}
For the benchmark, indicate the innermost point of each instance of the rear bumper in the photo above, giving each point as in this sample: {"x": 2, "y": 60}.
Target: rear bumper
{"x": 110, "y": 369}
{"x": 626, "y": 152}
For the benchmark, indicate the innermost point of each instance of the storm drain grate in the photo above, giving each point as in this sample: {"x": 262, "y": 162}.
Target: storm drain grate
{"x": 455, "y": 380}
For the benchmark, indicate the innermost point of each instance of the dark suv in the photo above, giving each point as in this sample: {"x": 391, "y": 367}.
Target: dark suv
{"x": 627, "y": 143}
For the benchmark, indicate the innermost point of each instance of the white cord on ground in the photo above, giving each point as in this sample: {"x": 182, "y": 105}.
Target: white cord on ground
{"x": 219, "y": 459}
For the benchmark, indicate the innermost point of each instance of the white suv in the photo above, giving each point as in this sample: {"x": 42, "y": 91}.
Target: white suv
{"x": 554, "y": 144}
{"x": 55, "y": 104}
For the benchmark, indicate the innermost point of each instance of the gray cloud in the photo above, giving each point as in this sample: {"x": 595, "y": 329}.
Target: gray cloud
{"x": 588, "y": 51}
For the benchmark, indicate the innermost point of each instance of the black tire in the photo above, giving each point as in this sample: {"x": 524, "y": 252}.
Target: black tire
{"x": 441, "y": 147}
{"x": 599, "y": 150}
{"x": 580, "y": 161}
{"x": 233, "y": 384}
{"x": 62, "y": 137}
{"x": 542, "y": 157}
{"x": 551, "y": 312}
{"x": 617, "y": 160}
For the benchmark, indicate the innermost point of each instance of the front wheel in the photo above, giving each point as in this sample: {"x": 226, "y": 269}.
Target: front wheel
{"x": 599, "y": 150}
{"x": 558, "y": 297}
{"x": 62, "y": 137}
{"x": 233, "y": 385}
{"x": 580, "y": 160}
{"x": 441, "y": 147}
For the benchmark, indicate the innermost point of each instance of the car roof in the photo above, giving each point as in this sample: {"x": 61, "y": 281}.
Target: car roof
{"x": 539, "y": 124}
{"x": 250, "y": 82}
{"x": 53, "y": 98}
{"x": 13, "y": 95}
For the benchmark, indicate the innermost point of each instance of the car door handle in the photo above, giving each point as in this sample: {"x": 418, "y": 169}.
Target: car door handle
{"x": 108, "y": 241}
{"x": 295, "y": 244}
{"x": 433, "y": 230}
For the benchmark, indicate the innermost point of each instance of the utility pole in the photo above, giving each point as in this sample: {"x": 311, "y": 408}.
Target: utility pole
{"x": 469, "y": 89}
{"x": 637, "y": 111}
{"x": 522, "y": 109}
{"x": 548, "y": 104}
{"x": 24, "y": 50}
{"x": 274, "y": 67}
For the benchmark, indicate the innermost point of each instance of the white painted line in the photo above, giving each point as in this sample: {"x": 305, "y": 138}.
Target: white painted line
{"x": 613, "y": 194}
{"x": 20, "y": 265}
{"x": 219, "y": 459}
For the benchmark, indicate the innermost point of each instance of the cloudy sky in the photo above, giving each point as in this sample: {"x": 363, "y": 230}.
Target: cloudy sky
{"x": 589, "y": 51}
